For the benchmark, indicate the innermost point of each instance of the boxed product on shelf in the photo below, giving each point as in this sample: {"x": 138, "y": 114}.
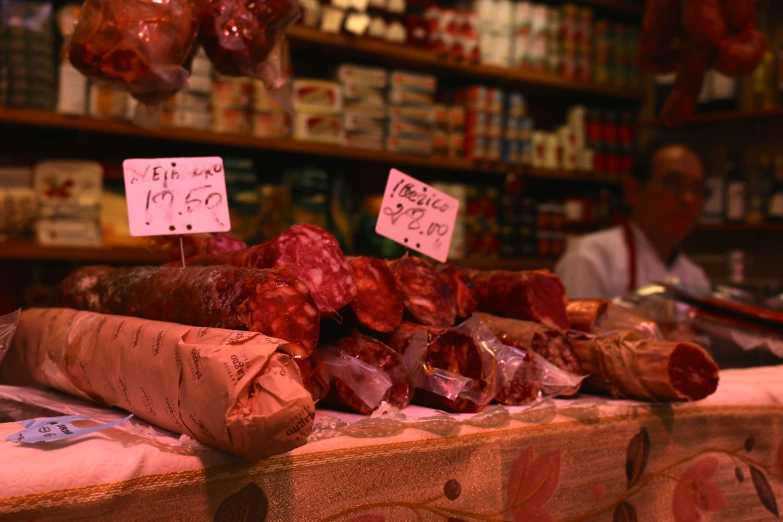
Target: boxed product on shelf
{"x": 72, "y": 84}
{"x": 364, "y": 93}
{"x": 376, "y": 112}
{"x": 424, "y": 115}
{"x": 262, "y": 100}
{"x": 420, "y": 146}
{"x": 230, "y": 121}
{"x": 317, "y": 96}
{"x": 231, "y": 93}
{"x": 406, "y": 97}
{"x": 275, "y": 124}
{"x": 409, "y": 81}
{"x": 107, "y": 101}
{"x": 319, "y": 127}
{"x": 367, "y": 76}
{"x": 175, "y": 117}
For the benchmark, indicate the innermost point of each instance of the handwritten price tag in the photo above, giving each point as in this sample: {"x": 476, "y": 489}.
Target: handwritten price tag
{"x": 176, "y": 196}
{"x": 417, "y": 216}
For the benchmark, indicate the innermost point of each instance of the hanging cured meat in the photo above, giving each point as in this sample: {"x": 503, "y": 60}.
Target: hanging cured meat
{"x": 689, "y": 36}
{"x": 239, "y": 35}
{"x": 140, "y": 46}
{"x": 272, "y": 302}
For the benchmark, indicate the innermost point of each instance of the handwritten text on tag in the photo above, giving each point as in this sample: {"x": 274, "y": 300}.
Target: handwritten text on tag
{"x": 176, "y": 196}
{"x": 417, "y": 216}
{"x": 57, "y": 428}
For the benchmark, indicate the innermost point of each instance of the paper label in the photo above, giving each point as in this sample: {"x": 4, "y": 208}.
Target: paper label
{"x": 417, "y": 216}
{"x": 57, "y": 428}
{"x": 176, "y": 196}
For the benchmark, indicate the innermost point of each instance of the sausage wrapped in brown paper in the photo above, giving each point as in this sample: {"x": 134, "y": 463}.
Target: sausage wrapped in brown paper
{"x": 227, "y": 389}
{"x": 626, "y": 365}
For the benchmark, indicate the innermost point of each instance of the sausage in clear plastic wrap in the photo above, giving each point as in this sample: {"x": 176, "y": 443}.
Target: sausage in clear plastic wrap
{"x": 272, "y": 302}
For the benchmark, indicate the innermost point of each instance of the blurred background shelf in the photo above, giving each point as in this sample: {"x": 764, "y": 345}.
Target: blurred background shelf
{"x": 41, "y": 118}
{"x": 740, "y": 227}
{"x": 742, "y": 116}
{"x": 495, "y": 263}
{"x": 424, "y": 60}
{"x": 29, "y": 250}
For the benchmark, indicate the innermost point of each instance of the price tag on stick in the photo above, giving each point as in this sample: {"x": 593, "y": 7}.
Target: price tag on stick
{"x": 168, "y": 196}
{"x": 417, "y": 216}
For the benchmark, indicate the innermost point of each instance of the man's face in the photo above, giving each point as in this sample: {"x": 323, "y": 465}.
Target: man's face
{"x": 671, "y": 200}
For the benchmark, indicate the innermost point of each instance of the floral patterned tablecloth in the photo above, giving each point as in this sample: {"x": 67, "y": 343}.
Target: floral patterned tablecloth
{"x": 585, "y": 459}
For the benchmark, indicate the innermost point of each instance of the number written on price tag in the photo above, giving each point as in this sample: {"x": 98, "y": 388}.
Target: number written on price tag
{"x": 176, "y": 196}
{"x": 417, "y": 216}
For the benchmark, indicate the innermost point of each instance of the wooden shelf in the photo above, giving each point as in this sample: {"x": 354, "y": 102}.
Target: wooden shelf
{"x": 624, "y": 7}
{"x": 424, "y": 60}
{"x": 489, "y": 263}
{"x": 29, "y": 250}
{"x": 744, "y": 116}
{"x": 39, "y": 118}
{"x": 740, "y": 227}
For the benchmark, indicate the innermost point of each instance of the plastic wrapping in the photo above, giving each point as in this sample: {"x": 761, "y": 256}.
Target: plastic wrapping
{"x": 311, "y": 370}
{"x": 8, "y": 324}
{"x": 619, "y": 318}
{"x": 140, "y": 46}
{"x": 451, "y": 368}
{"x": 363, "y": 372}
{"x": 242, "y": 39}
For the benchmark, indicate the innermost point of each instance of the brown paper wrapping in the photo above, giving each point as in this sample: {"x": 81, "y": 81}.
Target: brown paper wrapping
{"x": 626, "y": 365}
{"x": 225, "y": 388}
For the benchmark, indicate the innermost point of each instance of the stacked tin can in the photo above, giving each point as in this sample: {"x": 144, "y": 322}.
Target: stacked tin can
{"x": 482, "y": 228}
{"x": 483, "y": 121}
{"x": 611, "y": 135}
{"x": 602, "y": 51}
{"x": 518, "y": 133}
{"x": 496, "y": 31}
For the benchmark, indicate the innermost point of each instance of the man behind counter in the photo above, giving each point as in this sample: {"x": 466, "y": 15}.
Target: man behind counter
{"x": 665, "y": 193}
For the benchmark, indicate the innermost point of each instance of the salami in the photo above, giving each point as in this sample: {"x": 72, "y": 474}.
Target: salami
{"x": 661, "y": 45}
{"x": 366, "y": 372}
{"x": 377, "y": 304}
{"x": 310, "y": 369}
{"x": 458, "y": 373}
{"x": 549, "y": 343}
{"x": 584, "y": 313}
{"x": 310, "y": 253}
{"x": 461, "y": 287}
{"x": 425, "y": 292}
{"x": 269, "y": 301}
{"x": 626, "y": 365}
{"x": 536, "y": 295}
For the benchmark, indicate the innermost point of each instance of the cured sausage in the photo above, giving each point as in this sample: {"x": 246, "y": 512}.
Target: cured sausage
{"x": 377, "y": 304}
{"x": 238, "y": 36}
{"x": 461, "y": 287}
{"x": 310, "y": 368}
{"x": 704, "y": 22}
{"x": 521, "y": 380}
{"x": 273, "y": 302}
{"x": 740, "y": 14}
{"x": 140, "y": 46}
{"x": 537, "y": 295}
{"x": 628, "y": 366}
{"x": 741, "y": 54}
{"x": 549, "y": 343}
{"x": 661, "y": 43}
{"x": 310, "y": 253}
{"x": 197, "y": 245}
{"x": 682, "y": 101}
{"x": 459, "y": 374}
{"x": 367, "y": 372}
{"x": 583, "y": 313}
{"x": 425, "y": 292}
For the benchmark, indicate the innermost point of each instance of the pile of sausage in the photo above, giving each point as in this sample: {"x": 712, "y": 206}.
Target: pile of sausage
{"x": 145, "y": 46}
{"x": 363, "y": 330}
{"x": 690, "y": 36}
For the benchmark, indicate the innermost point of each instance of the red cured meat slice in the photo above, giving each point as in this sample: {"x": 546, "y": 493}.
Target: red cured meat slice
{"x": 524, "y": 384}
{"x": 350, "y": 390}
{"x": 378, "y": 303}
{"x": 310, "y": 370}
{"x": 536, "y": 295}
{"x": 269, "y": 301}
{"x": 425, "y": 292}
{"x": 310, "y": 253}
{"x": 459, "y": 354}
{"x": 461, "y": 287}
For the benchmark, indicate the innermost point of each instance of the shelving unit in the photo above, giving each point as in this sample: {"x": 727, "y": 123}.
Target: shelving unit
{"x": 740, "y": 227}
{"x": 744, "y": 116}
{"x": 421, "y": 59}
{"x": 38, "y": 118}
